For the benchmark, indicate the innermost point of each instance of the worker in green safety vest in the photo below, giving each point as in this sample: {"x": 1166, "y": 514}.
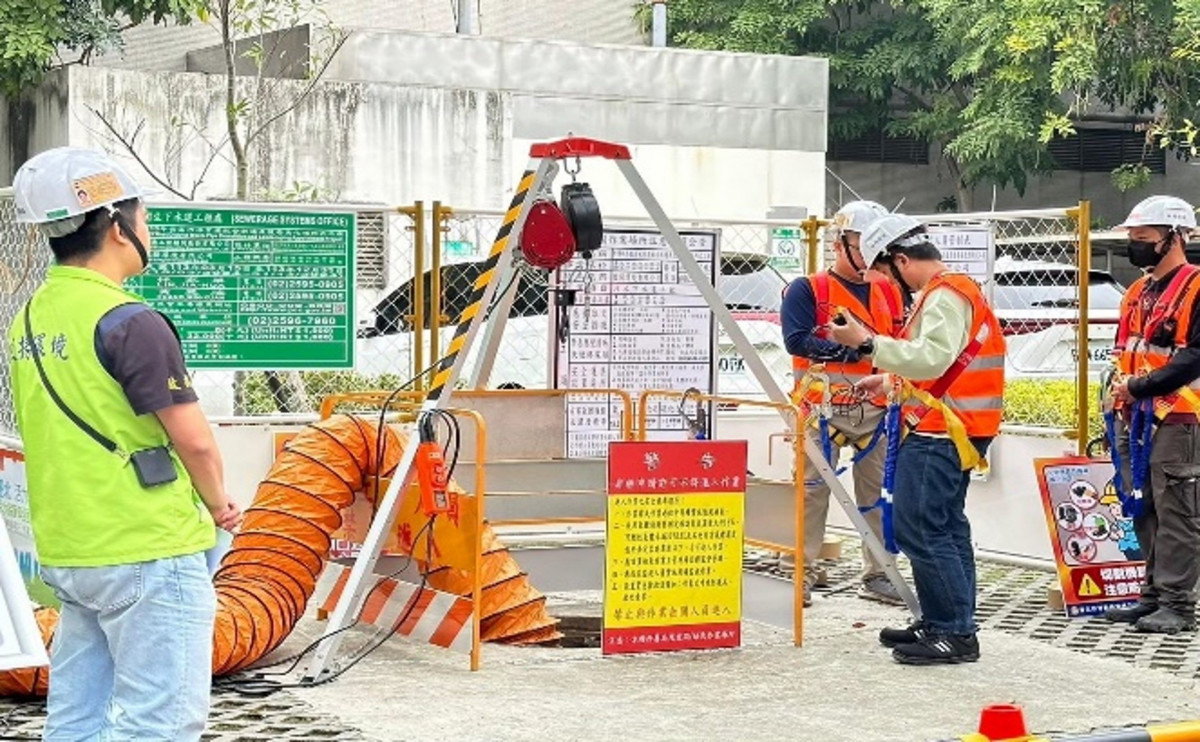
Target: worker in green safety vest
{"x": 125, "y": 479}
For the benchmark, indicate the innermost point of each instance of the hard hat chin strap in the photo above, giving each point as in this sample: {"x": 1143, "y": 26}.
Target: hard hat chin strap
{"x": 119, "y": 219}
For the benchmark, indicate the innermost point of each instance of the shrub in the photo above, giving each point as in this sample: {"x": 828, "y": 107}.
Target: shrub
{"x": 1049, "y": 403}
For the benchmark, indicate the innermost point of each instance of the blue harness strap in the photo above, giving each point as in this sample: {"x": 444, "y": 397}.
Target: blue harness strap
{"x": 1141, "y": 435}
{"x": 890, "y": 424}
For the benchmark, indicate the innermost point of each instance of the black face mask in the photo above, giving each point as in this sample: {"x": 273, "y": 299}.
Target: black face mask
{"x": 1144, "y": 254}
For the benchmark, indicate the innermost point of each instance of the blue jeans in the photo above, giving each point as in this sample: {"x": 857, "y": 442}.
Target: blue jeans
{"x": 933, "y": 532}
{"x": 132, "y": 657}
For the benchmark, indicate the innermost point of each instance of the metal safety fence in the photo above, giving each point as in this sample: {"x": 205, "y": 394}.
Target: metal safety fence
{"x": 24, "y": 259}
{"x": 1059, "y": 317}
{"x": 403, "y": 323}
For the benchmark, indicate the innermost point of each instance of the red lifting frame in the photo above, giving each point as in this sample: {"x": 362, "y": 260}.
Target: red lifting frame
{"x": 579, "y": 147}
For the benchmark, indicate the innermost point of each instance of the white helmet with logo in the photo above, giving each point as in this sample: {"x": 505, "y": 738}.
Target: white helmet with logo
{"x": 1161, "y": 211}
{"x": 892, "y": 229}
{"x": 58, "y": 187}
{"x": 856, "y": 216}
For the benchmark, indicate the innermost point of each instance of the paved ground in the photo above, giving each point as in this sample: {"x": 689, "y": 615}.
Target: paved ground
{"x": 1070, "y": 676}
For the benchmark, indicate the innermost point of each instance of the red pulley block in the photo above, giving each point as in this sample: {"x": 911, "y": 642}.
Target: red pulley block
{"x": 547, "y": 240}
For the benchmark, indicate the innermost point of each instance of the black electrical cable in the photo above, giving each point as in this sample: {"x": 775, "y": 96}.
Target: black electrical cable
{"x": 256, "y": 675}
{"x": 258, "y": 686}
{"x": 257, "y": 683}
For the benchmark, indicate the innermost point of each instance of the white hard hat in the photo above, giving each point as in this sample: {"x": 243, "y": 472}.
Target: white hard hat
{"x": 887, "y": 231}
{"x": 856, "y": 216}
{"x": 56, "y": 188}
{"x": 1161, "y": 211}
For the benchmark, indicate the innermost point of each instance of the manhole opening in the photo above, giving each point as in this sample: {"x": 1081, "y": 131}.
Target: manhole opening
{"x": 580, "y": 632}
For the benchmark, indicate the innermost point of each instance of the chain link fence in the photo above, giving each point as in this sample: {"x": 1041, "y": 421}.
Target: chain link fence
{"x": 757, "y": 260}
{"x": 24, "y": 260}
{"x": 1033, "y": 285}
{"x": 403, "y": 324}
{"x": 1035, "y": 290}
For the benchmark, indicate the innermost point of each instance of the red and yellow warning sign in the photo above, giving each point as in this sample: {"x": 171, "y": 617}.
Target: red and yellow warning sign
{"x": 673, "y": 556}
{"x": 1099, "y": 559}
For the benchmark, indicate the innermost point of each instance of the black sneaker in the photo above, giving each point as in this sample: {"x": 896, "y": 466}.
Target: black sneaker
{"x": 1129, "y": 615}
{"x": 915, "y": 632}
{"x": 1166, "y": 621}
{"x": 938, "y": 649}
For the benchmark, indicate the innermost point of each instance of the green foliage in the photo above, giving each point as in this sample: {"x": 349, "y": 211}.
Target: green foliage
{"x": 1049, "y": 403}
{"x": 300, "y": 191}
{"x": 258, "y": 399}
{"x": 990, "y": 81}
{"x": 1130, "y": 176}
{"x": 32, "y": 32}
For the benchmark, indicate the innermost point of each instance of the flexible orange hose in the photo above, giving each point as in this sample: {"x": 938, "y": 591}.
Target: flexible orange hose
{"x": 271, "y": 570}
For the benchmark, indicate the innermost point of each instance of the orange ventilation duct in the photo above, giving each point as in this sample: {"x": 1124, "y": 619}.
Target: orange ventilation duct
{"x": 265, "y": 581}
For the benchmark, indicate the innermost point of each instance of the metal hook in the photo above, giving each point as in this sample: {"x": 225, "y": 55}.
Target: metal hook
{"x": 578, "y": 167}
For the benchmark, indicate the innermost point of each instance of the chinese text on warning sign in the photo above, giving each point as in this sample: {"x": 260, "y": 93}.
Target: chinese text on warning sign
{"x": 1100, "y": 563}
{"x": 673, "y": 561}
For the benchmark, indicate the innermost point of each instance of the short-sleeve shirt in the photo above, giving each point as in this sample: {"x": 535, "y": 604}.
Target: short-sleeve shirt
{"x": 139, "y": 348}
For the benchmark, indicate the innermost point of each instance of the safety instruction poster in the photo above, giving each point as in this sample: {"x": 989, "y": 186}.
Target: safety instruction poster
{"x": 638, "y": 323}
{"x": 966, "y": 249}
{"x": 1100, "y": 563}
{"x": 673, "y": 552}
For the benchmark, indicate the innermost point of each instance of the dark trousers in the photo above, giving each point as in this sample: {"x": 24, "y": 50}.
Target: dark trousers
{"x": 933, "y": 532}
{"x": 1169, "y": 528}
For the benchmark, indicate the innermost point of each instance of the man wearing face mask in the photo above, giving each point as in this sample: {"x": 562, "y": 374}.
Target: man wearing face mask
{"x": 125, "y": 479}
{"x": 1158, "y": 365}
{"x": 952, "y": 352}
{"x": 808, "y": 305}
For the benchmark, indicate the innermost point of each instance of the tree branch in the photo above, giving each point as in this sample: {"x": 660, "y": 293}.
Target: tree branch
{"x": 129, "y": 145}
{"x": 912, "y": 95}
{"x": 312, "y": 83}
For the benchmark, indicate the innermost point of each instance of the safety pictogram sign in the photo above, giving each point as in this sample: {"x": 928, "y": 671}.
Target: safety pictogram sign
{"x": 1099, "y": 559}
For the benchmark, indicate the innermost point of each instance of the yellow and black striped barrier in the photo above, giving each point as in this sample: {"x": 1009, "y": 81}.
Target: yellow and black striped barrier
{"x": 479, "y": 290}
{"x": 1184, "y": 731}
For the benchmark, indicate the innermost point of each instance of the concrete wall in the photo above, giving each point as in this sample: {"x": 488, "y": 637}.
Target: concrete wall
{"x": 149, "y": 47}
{"x": 34, "y": 122}
{"x": 407, "y": 116}
{"x": 364, "y": 142}
{"x": 1005, "y": 509}
{"x": 714, "y": 134}
{"x": 921, "y": 187}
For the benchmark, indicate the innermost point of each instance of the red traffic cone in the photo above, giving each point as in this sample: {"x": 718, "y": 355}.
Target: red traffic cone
{"x": 1002, "y": 721}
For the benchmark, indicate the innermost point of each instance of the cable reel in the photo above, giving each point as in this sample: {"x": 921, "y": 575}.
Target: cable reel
{"x": 554, "y": 231}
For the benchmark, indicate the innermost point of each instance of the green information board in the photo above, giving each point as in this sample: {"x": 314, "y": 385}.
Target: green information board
{"x": 254, "y": 288}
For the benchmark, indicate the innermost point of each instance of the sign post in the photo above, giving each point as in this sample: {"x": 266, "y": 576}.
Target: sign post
{"x": 673, "y": 552}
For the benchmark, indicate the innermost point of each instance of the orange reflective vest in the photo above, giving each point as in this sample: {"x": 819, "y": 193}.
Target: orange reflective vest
{"x": 1167, "y": 320}
{"x": 885, "y": 316}
{"x": 973, "y": 386}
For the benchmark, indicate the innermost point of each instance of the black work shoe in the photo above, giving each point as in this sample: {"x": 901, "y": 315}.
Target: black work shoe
{"x": 1129, "y": 615}
{"x": 915, "y": 632}
{"x": 1166, "y": 621}
{"x": 938, "y": 649}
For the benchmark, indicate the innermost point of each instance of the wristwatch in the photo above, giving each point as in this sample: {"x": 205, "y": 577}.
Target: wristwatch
{"x": 868, "y": 347}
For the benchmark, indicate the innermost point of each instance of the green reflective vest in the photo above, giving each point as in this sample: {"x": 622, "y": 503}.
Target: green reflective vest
{"x": 88, "y": 508}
